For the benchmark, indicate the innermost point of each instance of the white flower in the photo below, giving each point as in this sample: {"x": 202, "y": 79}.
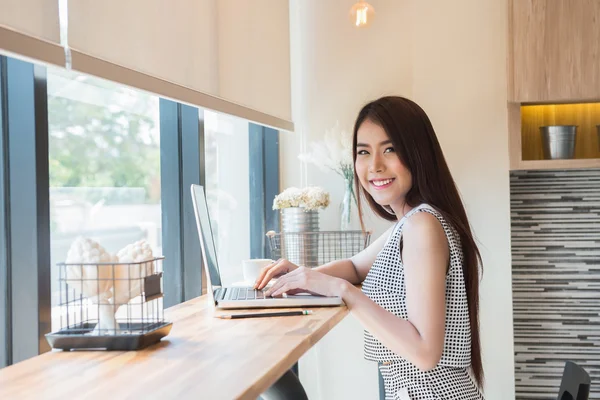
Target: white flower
{"x": 315, "y": 197}
{"x": 310, "y": 198}
{"x": 291, "y": 197}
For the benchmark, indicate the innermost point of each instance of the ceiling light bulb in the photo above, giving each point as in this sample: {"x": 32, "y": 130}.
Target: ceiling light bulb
{"x": 362, "y": 14}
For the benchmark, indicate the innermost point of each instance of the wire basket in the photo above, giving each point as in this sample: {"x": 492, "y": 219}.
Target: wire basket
{"x": 311, "y": 249}
{"x": 112, "y": 306}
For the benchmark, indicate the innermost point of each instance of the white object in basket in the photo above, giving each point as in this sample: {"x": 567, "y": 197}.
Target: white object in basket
{"x": 129, "y": 277}
{"x": 90, "y": 279}
{"x": 111, "y": 285}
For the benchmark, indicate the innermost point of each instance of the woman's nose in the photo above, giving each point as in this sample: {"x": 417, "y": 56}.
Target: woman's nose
{"x": 376, "y": 165}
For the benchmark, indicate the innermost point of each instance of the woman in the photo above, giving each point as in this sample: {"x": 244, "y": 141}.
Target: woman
{"x": 420, "y": 280}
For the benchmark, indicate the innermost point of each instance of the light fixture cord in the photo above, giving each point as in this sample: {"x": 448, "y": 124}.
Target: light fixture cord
{"x": 63, "y": 21}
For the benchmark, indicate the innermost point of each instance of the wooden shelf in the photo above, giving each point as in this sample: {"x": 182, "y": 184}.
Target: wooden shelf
{"x": 557, "y": 164}
{"x": 526, "y": 143}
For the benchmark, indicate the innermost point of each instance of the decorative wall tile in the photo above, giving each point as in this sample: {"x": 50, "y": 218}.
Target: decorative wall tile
{"x": 555, "y": 238}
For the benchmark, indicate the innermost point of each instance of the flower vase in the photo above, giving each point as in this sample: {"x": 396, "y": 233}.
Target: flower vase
{"x": 346, "y": 205}
{"x": 300, "y": 236}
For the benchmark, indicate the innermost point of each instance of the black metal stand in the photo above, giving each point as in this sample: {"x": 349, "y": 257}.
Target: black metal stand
{"x": 288, "y": 387}
{"x": 381, "y": 384}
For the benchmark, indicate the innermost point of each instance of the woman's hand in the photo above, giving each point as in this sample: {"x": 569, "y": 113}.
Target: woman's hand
{"x": 278, "y": 268}
{"x": 303, "y": 280}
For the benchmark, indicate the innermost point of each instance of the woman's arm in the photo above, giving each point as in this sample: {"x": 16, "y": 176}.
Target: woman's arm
{"x": 420, "y": 339}
{"x": 356, "y": 268}
{"x": 353, "y": 270}
{"x": 343, "y": 269}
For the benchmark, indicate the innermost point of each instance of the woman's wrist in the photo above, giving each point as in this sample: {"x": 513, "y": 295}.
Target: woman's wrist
{"x": 345, "y": 289}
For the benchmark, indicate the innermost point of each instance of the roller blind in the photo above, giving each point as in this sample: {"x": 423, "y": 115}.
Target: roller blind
{"x": 254, "y": 54}
{"x": 230, "y": 56}
{"x": 30, "y": 28}
{"x": 171, "y": 40}
{"x": 37, "y": 18}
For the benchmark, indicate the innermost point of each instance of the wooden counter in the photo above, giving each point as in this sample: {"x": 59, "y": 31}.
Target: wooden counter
{"x": 202, "y": 358}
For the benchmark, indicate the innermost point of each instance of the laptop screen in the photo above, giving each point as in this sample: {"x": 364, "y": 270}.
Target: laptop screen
{"x": 204, "y": 230}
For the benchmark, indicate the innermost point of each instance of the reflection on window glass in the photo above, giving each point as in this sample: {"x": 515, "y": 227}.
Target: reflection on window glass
{"x": 104, "y": 166}
{"x": 228, "y": 191}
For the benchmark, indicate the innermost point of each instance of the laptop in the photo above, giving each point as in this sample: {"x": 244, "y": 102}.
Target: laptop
{"x": 240, "y": 297}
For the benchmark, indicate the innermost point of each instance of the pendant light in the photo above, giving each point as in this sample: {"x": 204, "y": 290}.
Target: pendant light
{"x": 362, "y": 14}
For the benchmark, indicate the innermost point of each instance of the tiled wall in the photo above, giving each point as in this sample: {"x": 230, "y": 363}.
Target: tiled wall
{"x": 555, "y": 237}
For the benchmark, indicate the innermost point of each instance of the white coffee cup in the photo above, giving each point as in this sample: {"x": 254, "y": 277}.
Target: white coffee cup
{"x": 251, "y": 268}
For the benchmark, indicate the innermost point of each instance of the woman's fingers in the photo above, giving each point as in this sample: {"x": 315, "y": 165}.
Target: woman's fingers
{"x": 278, "y": 285}
{"x": 286, "y": 287}
{"x": 286, "y": 283}
{"x": 292, "y": 285}
{"x": 269, "y": 272}
{"x": 275, "y": 286}
{"x": 263, "y": 271}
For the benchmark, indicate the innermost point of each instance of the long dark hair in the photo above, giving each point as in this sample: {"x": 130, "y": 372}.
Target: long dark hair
{"x": 416, "y": 144}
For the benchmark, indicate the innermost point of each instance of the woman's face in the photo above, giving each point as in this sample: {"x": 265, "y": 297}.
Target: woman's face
{"x": 379, "y": 169}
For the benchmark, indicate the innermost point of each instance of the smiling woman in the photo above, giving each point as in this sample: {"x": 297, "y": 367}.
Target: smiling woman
{"x": 420, "y": 279}
{"x": 427, "y": 273}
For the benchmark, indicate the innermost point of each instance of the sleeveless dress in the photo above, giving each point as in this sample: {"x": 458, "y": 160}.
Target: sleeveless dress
{"x": 385, "y": 285}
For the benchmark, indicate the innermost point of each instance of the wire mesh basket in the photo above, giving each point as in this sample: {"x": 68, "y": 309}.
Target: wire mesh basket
{"x": 311, "y": 249}
{"x": 112, "y": 306}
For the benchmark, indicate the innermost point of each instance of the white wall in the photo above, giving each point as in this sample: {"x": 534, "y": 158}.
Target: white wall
{"x": 450, "y": 58}
{"x": 336, "y": 69}
{"x": 459, "y": 78}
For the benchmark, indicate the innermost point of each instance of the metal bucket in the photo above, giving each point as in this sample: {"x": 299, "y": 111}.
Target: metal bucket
{"x": 558, "y": 141}
{"x": 302, "y": 249}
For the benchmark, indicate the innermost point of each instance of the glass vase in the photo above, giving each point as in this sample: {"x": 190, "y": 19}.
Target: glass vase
{"x": 346, "y": 205}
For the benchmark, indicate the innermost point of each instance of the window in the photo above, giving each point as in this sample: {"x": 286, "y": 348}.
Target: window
{"x": 104, "y": 166}
{"x": 241, "y": 161}
{"x": 226, "y": 143}
{"x": 117, "y": 165}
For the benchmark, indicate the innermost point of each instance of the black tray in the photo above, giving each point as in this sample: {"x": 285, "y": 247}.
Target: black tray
{"x": 80, "y": 338}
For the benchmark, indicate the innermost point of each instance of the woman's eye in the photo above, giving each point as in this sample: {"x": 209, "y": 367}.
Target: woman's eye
{"x": 389, "y": 150}
{"x": 362, "y": 152}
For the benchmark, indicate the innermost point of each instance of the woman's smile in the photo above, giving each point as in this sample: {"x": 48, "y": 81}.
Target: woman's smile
{"x": 380, "y": 184}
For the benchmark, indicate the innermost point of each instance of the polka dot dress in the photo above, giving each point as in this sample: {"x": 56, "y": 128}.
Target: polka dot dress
{"x": 385, "y": 285}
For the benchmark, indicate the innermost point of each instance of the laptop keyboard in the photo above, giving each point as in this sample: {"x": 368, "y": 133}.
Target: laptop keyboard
{"x": 242, "y": 293}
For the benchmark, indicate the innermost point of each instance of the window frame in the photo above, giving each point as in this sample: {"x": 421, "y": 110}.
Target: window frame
{"x": 5, "y": 331}
{"x": 26, "y": 209}
{"x": 264, "y": 186}
{"x": 181, "y": 146}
